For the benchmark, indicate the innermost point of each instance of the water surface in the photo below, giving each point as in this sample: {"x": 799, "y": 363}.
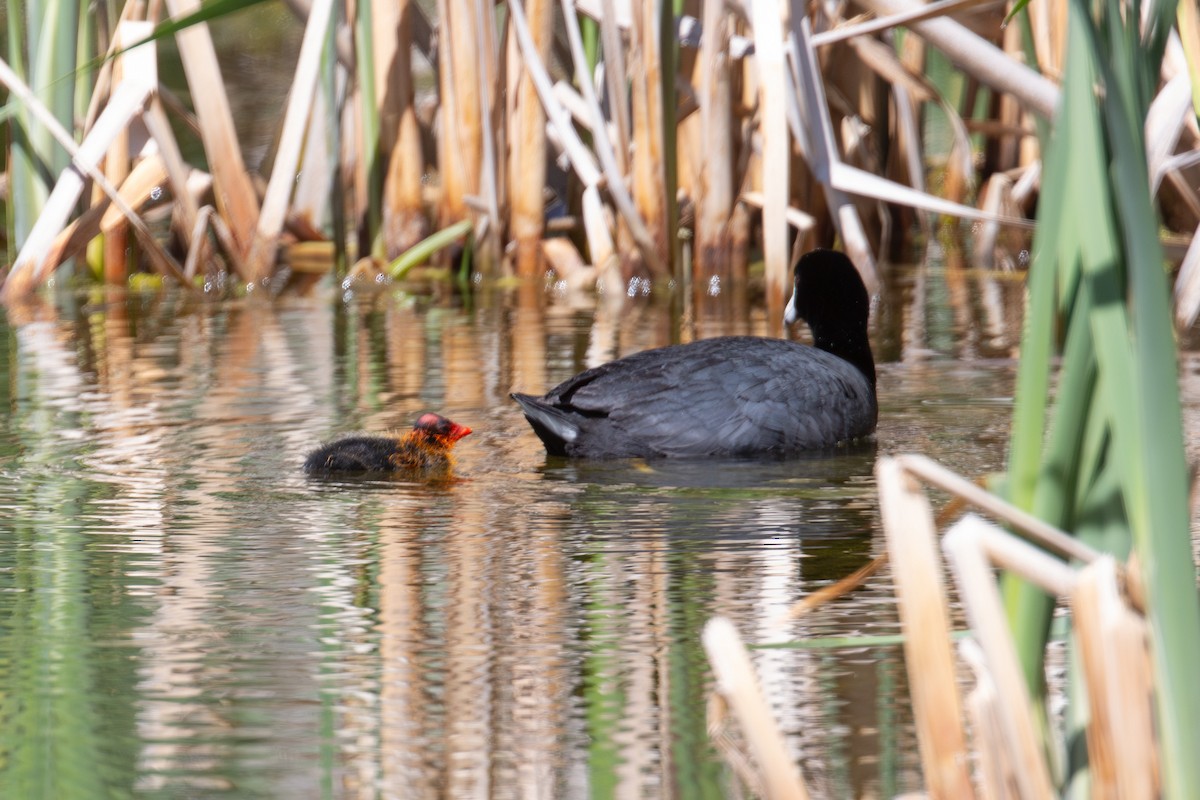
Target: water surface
{"x": 185, "y": 613}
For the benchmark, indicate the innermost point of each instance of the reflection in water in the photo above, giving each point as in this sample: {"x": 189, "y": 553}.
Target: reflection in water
{"x": 184, "y": 613}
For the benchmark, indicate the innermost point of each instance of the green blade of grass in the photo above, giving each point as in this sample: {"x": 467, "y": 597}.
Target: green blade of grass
{"x": 423, "y": 250}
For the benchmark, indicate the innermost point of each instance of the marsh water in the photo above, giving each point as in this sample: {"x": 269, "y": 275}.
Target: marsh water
{"x": 184, "y": 613}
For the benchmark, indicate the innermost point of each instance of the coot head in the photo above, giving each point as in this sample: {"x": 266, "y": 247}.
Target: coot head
{"x": 436, "y": 427}
{"x": 830, "y": 296}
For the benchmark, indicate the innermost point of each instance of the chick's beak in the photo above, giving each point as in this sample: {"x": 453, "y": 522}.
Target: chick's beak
{"x": 458, "y": 431}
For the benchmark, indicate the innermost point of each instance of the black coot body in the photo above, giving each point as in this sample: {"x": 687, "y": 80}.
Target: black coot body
{"x": 733, "y": 395}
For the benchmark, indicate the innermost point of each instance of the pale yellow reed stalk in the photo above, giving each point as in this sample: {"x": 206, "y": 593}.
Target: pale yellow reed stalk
{"x": 714, "y": 198}
{"x": 924, "y": 618}
{"x": 460, "y": 122}
{"x": 611, "y": 161}
{"x": 776, "y": 154}
{"x": 738, "y": 685}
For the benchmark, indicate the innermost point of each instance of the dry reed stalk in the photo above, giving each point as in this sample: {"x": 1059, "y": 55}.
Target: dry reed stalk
{"x": 1113, "y": 642}
{"x": 601, "y": 248}
{"x": 908, "y": 130}
{"x": 209, "y": 218}
{"x": 314, "y": 192}
{"x": 261, "y": 258}
{"x": 404, "y": 220}
{"x": 776, "y": 153}
{"x": 578, "y": 279}
{"x": 924, "y": 618}
{"x": 813, "y": 130}
{"x": 714, "y": 197}
{"x": 853, "y": 30}
{"x": 1188, "y": 26}
{"x": 236, "y": 199}
{"x": 978, "y": 57}
{"x": 802, "y": 221}
{"x": 460, "y": 121}
{"x": 996, "y": 198}
{"x": 184, "y": 206}
{"x": 616, "y": 88}
{"x": 1010, "y": 146}
{"x": 527, "y": 140}
{"x": 738, "y": 685}
{"x": 1165, "y": 121}
{"x": 577, "y": 154}
{"x": 377, "y": 43}
{"x": 972, "y": 547}
{"x": 612, "y": 162}
{"x": 492, "y": 184}
{"x": 646, "y": 95}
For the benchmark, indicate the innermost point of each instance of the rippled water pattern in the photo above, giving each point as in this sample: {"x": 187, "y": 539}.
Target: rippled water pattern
{"x": 183, "y": 613}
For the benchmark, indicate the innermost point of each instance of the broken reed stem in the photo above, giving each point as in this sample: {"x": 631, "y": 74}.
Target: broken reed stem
{"x": 933, "y": 473}
{"x": 967, "y": 547}
{"x": 737, "y": 683}
{"x": 996, "y": 770}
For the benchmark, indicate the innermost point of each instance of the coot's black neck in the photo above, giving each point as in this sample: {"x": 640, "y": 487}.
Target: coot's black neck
{"x": 848, "y": 342}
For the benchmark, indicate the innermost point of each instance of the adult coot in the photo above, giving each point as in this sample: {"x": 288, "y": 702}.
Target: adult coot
{"x": 422, "y": 452}
{"x": 732, "y": 395}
